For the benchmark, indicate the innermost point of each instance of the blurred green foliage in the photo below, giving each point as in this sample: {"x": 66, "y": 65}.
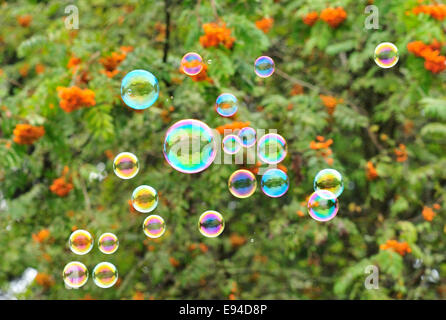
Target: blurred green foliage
{"x": 267, "y": 251}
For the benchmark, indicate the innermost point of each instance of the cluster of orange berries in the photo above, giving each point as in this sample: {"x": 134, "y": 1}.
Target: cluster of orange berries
{"x": 371, "y": 172}
{"x": 216, "y": 34}
{"x": 25, "y": 20}
{"x": 399, "y": 247}
{"x": 232, "y": 126}
{"x": 62, "y": 185}
{"x": 401, "y": 153}
{"x": 323, "y": 148}
{"x": 330, "y": 103}
{"x": 27, "y": 134}
{"x": 112, "y": 62}
{"x": 202, "y": 76}
{"x": 332, "y": 16}
{"x": 41, "y": 236}
{"x": 44, "y": 280}
{"x": 436, "y": 11}
{"x": 429, "y": 213}
{"x": 434, "y": 61}
{"x": 265, "y": 24}
{"x": 74, "y": 98}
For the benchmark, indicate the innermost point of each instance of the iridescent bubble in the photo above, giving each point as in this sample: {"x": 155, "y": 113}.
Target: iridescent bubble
{"x": 386, "y": 55}
{"x": 81, "y": 242}
{"x": 275, "y": 183}
{"x": 323, "y": 205}
{"x": 189, "y": 146}
{"x": 272, "y": 148}
{"x": 75, "y": 274}
{"x": 154, "y": 226}
{"x": 231, "y": 144}
{"x": 139, "y": 89}
{"x": 192, "y": 63}
{"x": 247, "y": 136}
{"x": 242, "y": 183}
{"x": 144, "y": 198}
{"x": 105, "y": 275}
{"x": 264, "y": 66}
{"x": 226, "y": 105}
{"x": 108, "y": 243}
{"x": 329, "y": 179}
{"x": 211, "y": 224}
{"x": 126, "y": 165}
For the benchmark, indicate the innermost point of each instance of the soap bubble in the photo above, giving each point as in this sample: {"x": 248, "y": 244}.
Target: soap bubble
{"x": 323, "y": 205}
{"x": 242, "y": 183}
{"x": 211, "y": 224}
{"x": 226, "y": 105}
{"x": 144, "y": 198}
{"x": 139, "y": 89}
{"x": 264, "y": 66}
{"x": 275, "y": 183}
{"x": 105, "y": 275}
{"x": 75, "y": 274}
{"x": 192, "y": 63}
{"x": 231, "y": 144}
{"x": 108, "y": 243}
{"x": 331, "y": 180}
{"x": 189, "y": 146}
{"x": 126, "y": 165}
{"x": 272, "y": 148}
{"x": 81, "y": 242}
{"x": 154, "y": 226}
{"x": 247, "y": 136}
{"x": 386, "y": 55}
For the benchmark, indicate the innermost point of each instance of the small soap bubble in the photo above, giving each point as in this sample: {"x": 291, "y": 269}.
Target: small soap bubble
{"x": 75, "y": 274}
{"x": 192, "y": 63}
{"x": 144, "y": 198}
{"x": 264, "y": 66}
{"x": 211, "y": 224}
{"x": 105, "y": 275}
{"x": 272, "y": 148}
{"x": 275, "y": 183}
{"x": 154, "y": 226}
{"x": 81, "y": 242}
{"x": 242, "y": 183}
{"x": 231, "y": 144}
{"x": 139, "y": 89}
{"x": 323, "y": 205}
{"x": 331, "y": 180}
{"x": 226, "y": 105}
{"x": 189, "y": 146}
{"x": 126, "y": 165}
{"x": 108, "y": 243}
{"x": 386, "y": 55}
{"x": 247, "y": 136}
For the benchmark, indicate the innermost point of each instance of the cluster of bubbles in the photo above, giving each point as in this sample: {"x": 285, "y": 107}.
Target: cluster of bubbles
{"x": 323, "y": 203}
{"x": 386, "y": 55}
{"x": 226, "y": 105}
{"x": 139, "y": 89}
{"x": 75, "y": 274}
{"x": 211, "y": 224}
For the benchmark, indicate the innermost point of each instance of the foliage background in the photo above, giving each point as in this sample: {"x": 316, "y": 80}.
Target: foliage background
{"x": 268, "y": 250}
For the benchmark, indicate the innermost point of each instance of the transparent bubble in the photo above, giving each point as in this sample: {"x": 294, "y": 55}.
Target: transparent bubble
{"x": 247, "y": 136}
{"x": 192, "y": 63}
{"x": 75, "y": 274}
{"x": 108, "y": 243}
{"x": 154, "y": 226}
{"x": 386, "y": 55}
{"x": 264, "y": 66}
{"x": 272, "y": 148}
{"x": 242, "y": 183}
{"x": 105, "y": 275}
{"x": 81, "y": 242}
{"x": 126, "y": 165}
{"x": 211, "y": 224}
{"x": 231, "y": 144}
{"x": 139, "y": 89}
{"x": 144, "y": 198}
{"x": 189, "y": 146}
{"x": 323, "y": 205}
{"x": 275, "y": 183}
{"x": 331, "y": 180}
{"x": 226, "y": 105}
